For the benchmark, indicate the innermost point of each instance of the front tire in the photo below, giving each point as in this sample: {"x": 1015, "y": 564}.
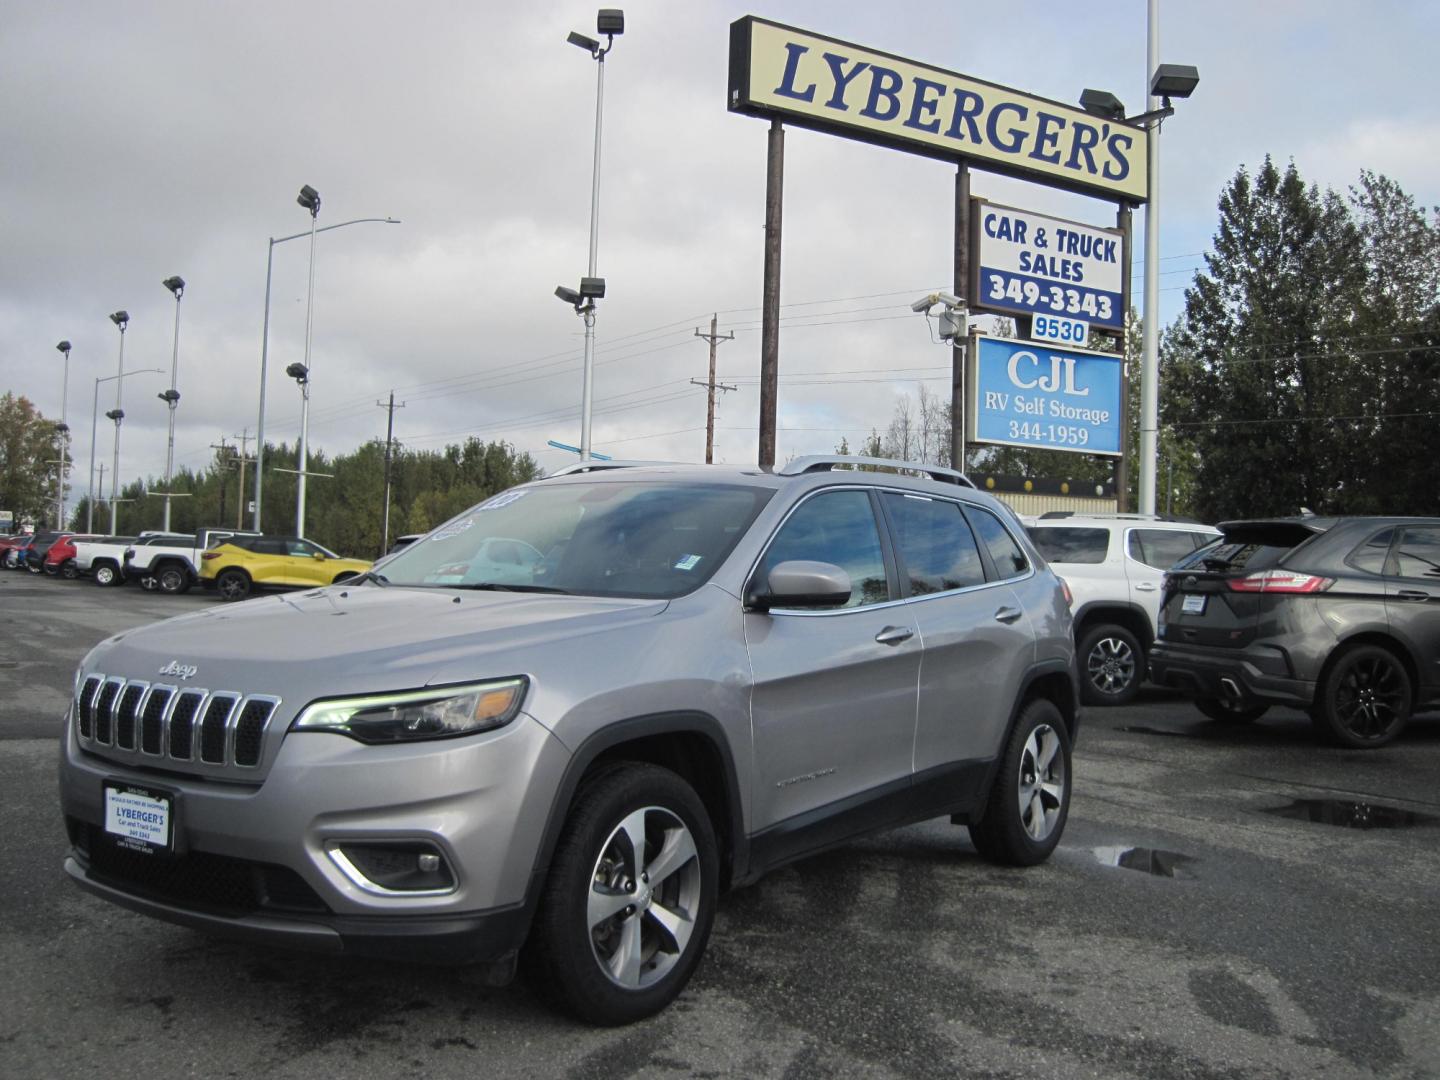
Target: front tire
{"x": 232, "y": 585}
{"x": 1030, "y": 798}
{"x": 1112, "y": 666}
{"x": 630, "y": 897}
{"x": 1222, "y": 712}
{"x": 1364, "y": 700}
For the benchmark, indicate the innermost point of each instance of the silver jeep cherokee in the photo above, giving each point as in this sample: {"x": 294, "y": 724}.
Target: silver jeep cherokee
{"x": 560, "y": 724}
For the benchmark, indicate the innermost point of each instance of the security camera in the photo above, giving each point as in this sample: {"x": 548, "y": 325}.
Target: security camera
{"x": 950, "y": 301}
{"x": 570, "y": 296}
{"x": 925, "y": 303}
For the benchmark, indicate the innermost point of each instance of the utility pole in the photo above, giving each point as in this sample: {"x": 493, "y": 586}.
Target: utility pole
{"x": 711, "y": 386}
{"x": 244, "y": 438}
{"x": 100, "y": 487}
{"x": 225, "y": 466}
{"x": 389, "y": 442}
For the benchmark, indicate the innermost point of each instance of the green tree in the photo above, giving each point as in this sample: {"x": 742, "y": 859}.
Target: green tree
{"x": 29, "y": 456}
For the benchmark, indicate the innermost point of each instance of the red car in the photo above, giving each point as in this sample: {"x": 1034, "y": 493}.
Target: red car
{"x": 12, "y": 547}
{"x": 60, "y": 559}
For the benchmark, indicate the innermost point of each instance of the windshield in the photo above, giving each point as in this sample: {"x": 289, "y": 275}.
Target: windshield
{"x": 635, "y": 539}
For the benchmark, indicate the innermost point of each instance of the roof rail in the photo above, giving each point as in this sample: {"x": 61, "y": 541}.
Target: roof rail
{"x": 1054, "y": 515}
{"x": 827, "y": 462}
{"x": 600, "y": 465}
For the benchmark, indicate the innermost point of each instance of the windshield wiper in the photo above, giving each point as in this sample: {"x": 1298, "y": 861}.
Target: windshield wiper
{"x": 378, "y": 579}
{"x": 495, "y": 586}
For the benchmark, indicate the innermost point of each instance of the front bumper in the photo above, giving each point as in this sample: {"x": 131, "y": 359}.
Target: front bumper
{"x": 1261, "y": 674}
{"x": 253, "y": 860}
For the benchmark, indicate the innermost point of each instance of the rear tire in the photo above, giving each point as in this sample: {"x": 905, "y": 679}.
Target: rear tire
{"x": 1030, "y": 798}
{"x": 69, "y": 571}
{"x": 1364, "y": 700}
{"x": 1222, "y": 712}
{"x": 629, "y": 899}
{"x": 106, "y": 574}
{"x": 173, "y": 579}
{"x": 1112, "y": 665}
{"x": 232, "y": 585}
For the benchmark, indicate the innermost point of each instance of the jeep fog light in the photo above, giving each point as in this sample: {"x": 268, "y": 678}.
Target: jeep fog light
{"x": 393, "y": 866}
{"x": 436, "y": 713}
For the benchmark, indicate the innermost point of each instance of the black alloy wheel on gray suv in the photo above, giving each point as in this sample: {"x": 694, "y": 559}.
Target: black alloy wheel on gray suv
{"x": 1338, "y": 617}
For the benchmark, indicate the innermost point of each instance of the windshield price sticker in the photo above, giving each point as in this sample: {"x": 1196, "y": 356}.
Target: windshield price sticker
{"x": 1031, "y": 264}
{"x": 1060, "y": 330}
{"x": 139, "y": 819}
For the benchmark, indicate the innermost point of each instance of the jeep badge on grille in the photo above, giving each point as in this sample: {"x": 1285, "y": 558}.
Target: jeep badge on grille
{"x": 179, "y": 670}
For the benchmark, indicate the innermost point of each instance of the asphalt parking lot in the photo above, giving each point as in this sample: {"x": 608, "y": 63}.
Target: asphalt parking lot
{"x": 1282, "y": 942}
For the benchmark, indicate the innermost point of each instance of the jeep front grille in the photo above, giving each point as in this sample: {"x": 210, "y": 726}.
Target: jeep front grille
{"x": 171, "y": 723}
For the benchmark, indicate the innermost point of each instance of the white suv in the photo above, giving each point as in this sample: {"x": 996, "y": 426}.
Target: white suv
{"x": 1114, "y": 564}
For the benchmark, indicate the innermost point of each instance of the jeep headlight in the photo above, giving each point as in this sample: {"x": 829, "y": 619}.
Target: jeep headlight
{"x": 437, "y": 713}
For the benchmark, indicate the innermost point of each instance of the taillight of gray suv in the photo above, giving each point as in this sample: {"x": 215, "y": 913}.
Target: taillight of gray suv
{"x": 1337, "y": 616}
{"x": 707, "y": 673}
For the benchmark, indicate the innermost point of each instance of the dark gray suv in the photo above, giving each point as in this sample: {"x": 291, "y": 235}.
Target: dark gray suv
{"x": 686, "y": 677}
{"x": 1337, "y": 616}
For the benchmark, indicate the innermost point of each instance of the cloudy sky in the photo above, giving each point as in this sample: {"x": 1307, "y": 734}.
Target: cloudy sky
{"x": 140, "y": 140}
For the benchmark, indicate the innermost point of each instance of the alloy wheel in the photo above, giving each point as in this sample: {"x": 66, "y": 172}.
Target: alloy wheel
{"x": 644, "y": 897}
{"x": 1111, "y": 665}
{"x": 1042, "y": 782}
{"x": 1370, "y": 697}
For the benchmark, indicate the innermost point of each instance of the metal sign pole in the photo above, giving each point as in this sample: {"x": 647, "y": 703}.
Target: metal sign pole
{"x": 1124, "y": 218}
{"x": 962, "y": 290}
{"x": 770, "y": 318}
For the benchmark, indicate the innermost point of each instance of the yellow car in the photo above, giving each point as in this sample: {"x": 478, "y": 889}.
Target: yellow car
{"x": 243, "y": 563}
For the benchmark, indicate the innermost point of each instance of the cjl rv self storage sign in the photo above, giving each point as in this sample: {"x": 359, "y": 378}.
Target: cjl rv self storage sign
{"x": 1030, "y": 264}
{"x": 1027, "y": 393}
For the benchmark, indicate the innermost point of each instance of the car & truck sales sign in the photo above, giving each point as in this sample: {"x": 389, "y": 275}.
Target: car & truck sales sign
{"x": 1028, "y": 393}
{"x": 820, "y": 82}
{"x": 1030, "y": 264}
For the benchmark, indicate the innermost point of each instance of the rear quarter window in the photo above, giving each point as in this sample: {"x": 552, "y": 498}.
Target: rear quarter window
{"x": 1070, "y": 544}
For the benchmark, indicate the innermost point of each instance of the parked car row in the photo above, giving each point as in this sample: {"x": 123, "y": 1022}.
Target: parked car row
{"x": 232, "y": 562}
{"x": 1336, "y": 616}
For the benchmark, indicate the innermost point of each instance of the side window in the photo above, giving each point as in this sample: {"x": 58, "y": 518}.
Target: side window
{"x": 836, "y": 527}
{"x": 269, "y": 547}
{"x": 300, "y": 549}
{"x": 1370, "y": 556}
{"x": 936, "y": 544}
{"x": 1005, "y": 553}
{"x": 1419, "y": 553}
{"x": 1160, "y": 548}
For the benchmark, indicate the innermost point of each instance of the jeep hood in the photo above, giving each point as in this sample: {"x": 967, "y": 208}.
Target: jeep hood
{"x": 363, "y": 639}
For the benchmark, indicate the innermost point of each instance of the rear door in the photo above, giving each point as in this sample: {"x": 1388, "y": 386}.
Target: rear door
{"x": 1412, "y": 598}
{"x": 1206, "y": 599}
{"x": 1149, "y": 552}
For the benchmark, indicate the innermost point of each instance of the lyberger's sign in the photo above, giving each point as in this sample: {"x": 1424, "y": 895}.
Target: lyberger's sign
{"x": 819, "y": 82}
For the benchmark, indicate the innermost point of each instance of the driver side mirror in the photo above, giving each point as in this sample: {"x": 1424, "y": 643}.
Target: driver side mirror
{"x": 318, "y": 556}
{"x": 801, "y": 583}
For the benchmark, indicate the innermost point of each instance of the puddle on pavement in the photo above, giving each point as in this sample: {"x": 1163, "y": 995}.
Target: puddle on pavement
{"x": 1352, "y": 815}
{"x": 1151, "y": 861}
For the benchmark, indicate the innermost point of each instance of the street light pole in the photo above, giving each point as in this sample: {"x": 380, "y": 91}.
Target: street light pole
{"x": 94, "y": 424}
{"x": 64, "y": 431}
{"x": 122, "y": 320}
{"x": 265, "y": 350}
{"x": 1150, "y": 360}
{"x": 309, "y": 198}
{"x": 609, "y": 21}
{"x": 171, "y": 397}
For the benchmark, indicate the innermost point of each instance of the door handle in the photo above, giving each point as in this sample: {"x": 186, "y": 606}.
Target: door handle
{"x": 1413, "y": 595}
{"x": 1007, "y": 614}
{"x": 1146, "y": 586}
{"x": 894, "y": 635}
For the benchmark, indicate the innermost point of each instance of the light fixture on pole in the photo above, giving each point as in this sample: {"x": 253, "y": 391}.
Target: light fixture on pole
{"x": 122, "y": 320}
{"x": 1166, "y": 81}
{"x": 171, "y": 397}
{"x": 94, "y": 424}
{"x": 609, "y": 21}
{"x": 309, "y": 198}
{"x": 265, "y": 351}
{"x": 63, "y": 430}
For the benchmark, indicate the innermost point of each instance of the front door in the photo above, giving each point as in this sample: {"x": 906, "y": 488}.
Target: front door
{"x": 1412, "y": 600}
{"x": 833, "y": 703}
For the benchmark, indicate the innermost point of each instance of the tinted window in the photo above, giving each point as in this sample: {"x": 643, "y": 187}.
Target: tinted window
{"x": 936, "y": 544}
{"x": 1230, "y": 555}
{"x": 1161, "y": 548}
{"x": 1072, "y": 545}
{"x": 269, "y": 546}
{"x": 1005, "y": 553}
{"x": 1370, "y": 556}
{"x": 837, "y": 527}
{"x": 1419, "y": 552}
